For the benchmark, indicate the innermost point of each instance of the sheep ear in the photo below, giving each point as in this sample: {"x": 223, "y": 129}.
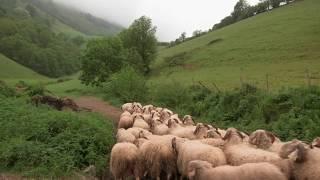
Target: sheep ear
{"x": 169, "y": 123}
{"x": 176, "y": 120}
{"x": 227, "y": 135}
{"x": 253, "y": 139}
{"x": 272, "y": 136}
{"x": 196, "y": 130}
{"x": 218, "y": 133}
{"x": 301, "y": 153}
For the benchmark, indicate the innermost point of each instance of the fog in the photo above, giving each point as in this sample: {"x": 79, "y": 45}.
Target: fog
{"x": 172, "y": 17}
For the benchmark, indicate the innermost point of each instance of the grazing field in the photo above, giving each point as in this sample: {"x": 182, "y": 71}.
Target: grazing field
{"x": 12, "y": 72}
{"x": 281, "y": 45}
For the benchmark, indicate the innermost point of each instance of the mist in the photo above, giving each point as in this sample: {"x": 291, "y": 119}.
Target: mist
{"x": 172, "y": 17}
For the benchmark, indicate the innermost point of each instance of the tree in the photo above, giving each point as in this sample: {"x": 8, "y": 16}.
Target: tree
{"x": 101, "y": 58}
{"x": 275, "y": 3}
{"x": 196, "y": 33}
{"x": 240, "y": 10}
{"x": 141, "y": 36}
{"x": 183, "y": 36}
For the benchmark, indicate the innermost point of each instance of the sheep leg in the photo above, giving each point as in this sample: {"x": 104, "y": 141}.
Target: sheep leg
{"x": 137, "y": 178}
{"x": 168, "y": 176}
{"x": 158, "y": 178}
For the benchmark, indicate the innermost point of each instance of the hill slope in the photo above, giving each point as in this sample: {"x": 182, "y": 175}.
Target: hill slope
{"x": 77, "y": 20}
{"x": 283, "y": 43}
{"x": 11, "y": 70}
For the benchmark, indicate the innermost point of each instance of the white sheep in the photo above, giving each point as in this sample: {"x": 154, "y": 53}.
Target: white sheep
{"x": 187, "y": 151}
{"x": 136, "y": 131}
{"x": 138, "y": 121}
{"x": 187, "y": 120}
{"x": 266, "y": 140}
{"x": 158, "y": 128}
{"x": 125, "y": 122}
{"x": 124, "y": 161}
{"x": 238, "y": 152}
{"x": 203, "y": 170}
{"x": 316, "y": 143}
{"x": 157, "y": 156}
{"x": 305, "y": 162}
{"x": 125, "y": 136}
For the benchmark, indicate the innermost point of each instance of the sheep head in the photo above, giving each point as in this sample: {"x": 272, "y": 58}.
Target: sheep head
{"x": 213, "y": 134}
{"x": 262, "y": 139}
{"x": 233, "y": 135}
{"x": 288, "y": 148}
{"x": 193, "y": 166}
{"x": 200, "y": 131}
{"x": 301, "y": 153}
{"x": 187, "y": 120}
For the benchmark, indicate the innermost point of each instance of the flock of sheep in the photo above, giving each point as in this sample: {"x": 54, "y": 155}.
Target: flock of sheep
{"x": 154, "y": 143}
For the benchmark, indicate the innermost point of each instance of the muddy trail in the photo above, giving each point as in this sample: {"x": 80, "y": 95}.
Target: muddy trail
{"x": 97, "y": 105}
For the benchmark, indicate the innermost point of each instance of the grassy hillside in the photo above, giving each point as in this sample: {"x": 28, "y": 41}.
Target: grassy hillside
{"x": 11, "y": 72}
{"x": 283, "y": 43}
{"x": 77, "y": 20}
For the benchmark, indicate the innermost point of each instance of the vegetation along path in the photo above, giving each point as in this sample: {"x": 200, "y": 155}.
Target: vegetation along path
{"x": 97, "y": 105}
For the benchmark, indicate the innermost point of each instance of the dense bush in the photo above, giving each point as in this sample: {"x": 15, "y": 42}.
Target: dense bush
{"x": 290, "y": 113}
{"x": 44, "y": 142}
{"x": 127, "y": 85}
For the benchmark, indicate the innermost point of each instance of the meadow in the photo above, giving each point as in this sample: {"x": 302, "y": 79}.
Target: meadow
{"x": 281, "y": 45}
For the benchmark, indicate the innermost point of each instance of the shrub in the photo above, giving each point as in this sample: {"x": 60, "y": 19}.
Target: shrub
{"x": 127, "y": 85}
{"x": 44, "y": 142}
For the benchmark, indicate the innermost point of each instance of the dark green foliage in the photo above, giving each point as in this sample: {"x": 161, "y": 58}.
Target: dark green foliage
{"x": 290, "y": 113}
{"x": 44, "y": 142}
{"x": 127, "y": 85}
{"x": 141, "y": 37}
{"x": 102, "y": 58}
{"x": 31, "y": 43}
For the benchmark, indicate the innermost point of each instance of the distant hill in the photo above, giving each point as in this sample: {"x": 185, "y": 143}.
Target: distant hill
{"x": 277, "y": 48}
{"x": 79, "y": 21}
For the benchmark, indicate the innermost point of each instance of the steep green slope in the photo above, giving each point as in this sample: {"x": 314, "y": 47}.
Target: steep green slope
{"x": 12, "y": 71}
{"x": 283, "y": 44}
{"x": 79, "y": 21}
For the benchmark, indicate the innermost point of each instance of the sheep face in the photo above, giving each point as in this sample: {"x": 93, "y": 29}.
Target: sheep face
{"x": 288, "y": 148}
{"x": 262, "y": 139}
{"x": 213, "y": 134}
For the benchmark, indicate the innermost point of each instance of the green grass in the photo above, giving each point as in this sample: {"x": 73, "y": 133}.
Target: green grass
{"x": 12, "y": 72}
{"x": 283, "y": 43}
{"x": 73, "y": 87}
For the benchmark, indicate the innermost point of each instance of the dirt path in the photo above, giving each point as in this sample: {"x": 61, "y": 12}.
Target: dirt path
{"x": 97, "y": 105}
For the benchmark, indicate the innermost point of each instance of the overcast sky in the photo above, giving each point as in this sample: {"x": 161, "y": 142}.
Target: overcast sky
{"x": 170, "y": 16}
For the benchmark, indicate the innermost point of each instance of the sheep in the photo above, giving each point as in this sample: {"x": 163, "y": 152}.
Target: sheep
{"x": 199, "y": 132}
{"x": 147, "y": 108}
{"x": 158, "y": 128}
{"x": 213, "y": 133}
{"x": 238, "y": 153}
{"x": 138, "y": 121}
{"x": 187, "y": 120}
{"x": 216, "y": 142}
{"x": 266, "y": 140}
{"x": 125, "y": 136}
{"x": 158, "y": 155}
{"x": 125, "y": 113}
{"x": 127, "y": 107}
{"x": 306, "y": 163}
{"x": 187, "y": 151}
{"x": 124, "y": 161}
{"x": 136, "y": 131}
{"x": 203, "y": 170}
{"x": 125, "y": 122}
